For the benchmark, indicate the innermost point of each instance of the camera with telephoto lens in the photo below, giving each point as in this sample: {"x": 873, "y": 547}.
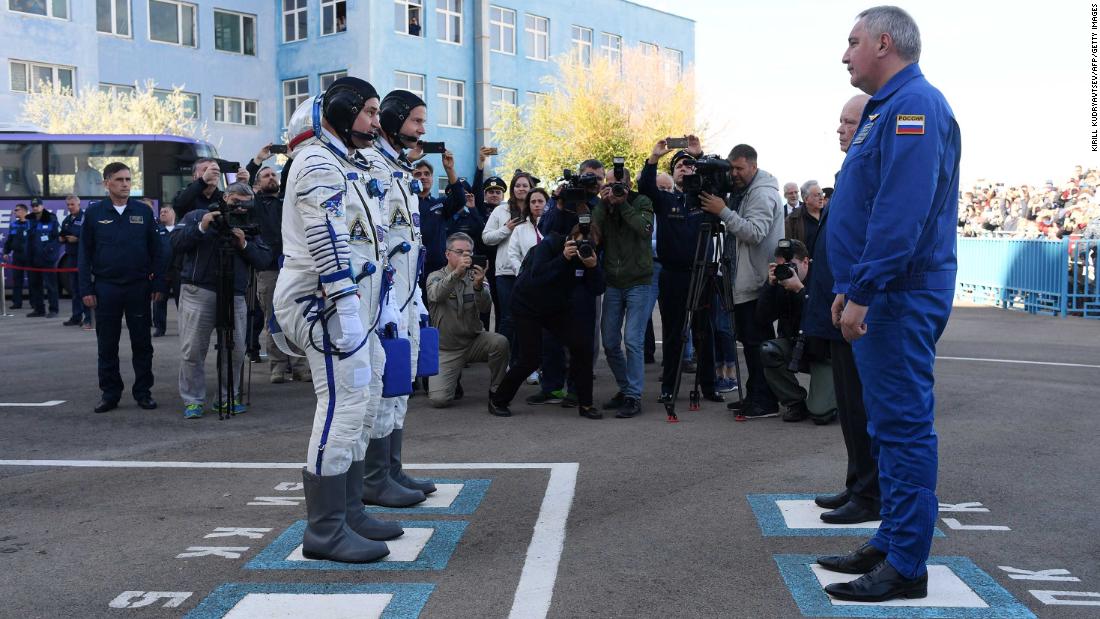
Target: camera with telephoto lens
{"x": 784, "y": 250}
{"x": 577, "y": 189}
{"x": 584, "y": 246}
{"x": 236, "y": 215}
{"x": 712, "y": 175}
{"x": 618, "y": 188}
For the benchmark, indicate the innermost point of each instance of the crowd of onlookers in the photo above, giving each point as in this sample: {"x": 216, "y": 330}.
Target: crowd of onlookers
{"x": 1049, "y": 211}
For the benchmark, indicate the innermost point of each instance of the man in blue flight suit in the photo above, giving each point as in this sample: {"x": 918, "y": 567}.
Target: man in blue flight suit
{"x": 42, "y": 253}
{"x": 891, "y": 247}
{"x": 120, "y": 265}
{"x": 70, "y": 236}
{"x": 16, "y": 244}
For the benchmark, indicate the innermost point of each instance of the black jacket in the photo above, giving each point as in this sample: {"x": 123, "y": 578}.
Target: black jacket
{"x": 70, "y": 226}
{"x": 120, "y": 249}
{"x": 550, "y": 285}
{"x": 16, "y": 241}
{"x": 778, "y": 303}
{"x": 269, "y": 213}
{"x": 200, "y": 255}
{"x": 677, "y": 228}
{"x": 191, "y": 198}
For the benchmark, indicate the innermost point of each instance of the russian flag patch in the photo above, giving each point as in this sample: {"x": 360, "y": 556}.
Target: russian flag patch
{"x": 910, "y": 124}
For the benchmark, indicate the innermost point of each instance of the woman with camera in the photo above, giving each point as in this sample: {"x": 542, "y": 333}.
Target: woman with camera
{"x": 556, "y": 290}
{"x": 497, "y": 233}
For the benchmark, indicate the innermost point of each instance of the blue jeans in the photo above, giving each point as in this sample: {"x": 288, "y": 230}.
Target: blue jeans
{"x": 725, "y": 347}
{"x": 626, "y": 307}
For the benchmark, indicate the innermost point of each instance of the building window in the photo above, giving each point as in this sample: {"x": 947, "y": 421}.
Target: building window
{"x": 611, "y": 47}
{"x": 673, "y": 62}
{"x": 295, "y": 20}
{"x": 409, "y": 81}
{"x": 582, "y": 45}
{"x": 648, "y": 49}
{"x": 295, "y": 91}
{"x": 45, "y": 8}
{"x": 500, "y": 96}
{"x": 235, "y": 32}
{"x": 113, "y": 17}
{"x": 334, "y": 16}
{"x": 190, "y": 101}
{"x": 235, "y": 111}
{"x": 451, "y": 95}
{"x": 36, "y": 76}
{"x": 172, "y": 22}
{"x": 502, "y": 30}
{"x": 532, "y": 99}
{"x": 117, "y": 90}
{"x": 448, "y": 15}
{"x": 538, "y": 36}
{"x": 407, "y": 16}
{"x": 328, "y": 78}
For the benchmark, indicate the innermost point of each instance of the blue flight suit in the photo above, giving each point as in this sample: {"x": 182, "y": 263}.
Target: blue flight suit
{"x": 43, "y": 250}
{"x": 15, "y": 243}
{"x": 891, "y": 245}
{"x": 120, "y": 263}
{"x": 71, "y": 226}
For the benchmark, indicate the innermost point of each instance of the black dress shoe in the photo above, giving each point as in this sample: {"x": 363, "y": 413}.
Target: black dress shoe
{"x": 860, "y": 561}
{"x": 880, "y": 585}
{"x": 499, "y": 410}
{"x": 850, "y": 513}
{"x": 148, "y": 403}
{"x": 105, "y": 405}
{"x": 832, "y": 501}
{"x": 590, "y": 412}
{"x": 36, "y": 314}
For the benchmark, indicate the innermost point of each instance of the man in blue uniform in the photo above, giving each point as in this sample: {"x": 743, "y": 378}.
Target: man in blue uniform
{"x": 120, "y": 262}
{"x": 16, "y": 245}
{"x": 891, "y": 247}
{"x": 70, "y": 236}
{"x": 42, "y": 253}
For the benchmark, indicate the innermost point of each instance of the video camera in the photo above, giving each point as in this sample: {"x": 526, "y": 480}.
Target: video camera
{"x": 236, "y": 215}
{"x": 618, "y": 188}
{"x": 578, "y": 187}
{"x": 712, "y": 175}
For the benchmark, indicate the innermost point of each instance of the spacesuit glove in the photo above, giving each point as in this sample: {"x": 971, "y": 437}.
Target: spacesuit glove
{"x": 390, "y": 315}
{"x": 351, "y": 327}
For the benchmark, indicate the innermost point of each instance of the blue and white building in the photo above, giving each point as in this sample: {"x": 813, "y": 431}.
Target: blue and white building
{"x": 246, "y": 64}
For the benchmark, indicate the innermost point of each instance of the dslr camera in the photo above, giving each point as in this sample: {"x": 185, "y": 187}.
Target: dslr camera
{"x": 712, "y": 175}
{"x": 577, "y": 188}
{"x": 618, "y": 188}
{"x": 584, "y": 246}
{"x": 785, "y": 251}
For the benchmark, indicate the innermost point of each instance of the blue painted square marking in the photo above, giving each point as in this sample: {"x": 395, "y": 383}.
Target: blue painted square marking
{"x": 408, "y": 599}
{"x": 466, "y": 503}
{"x": 434, "y": 556}
{"x": 772, "y": 523}
{"x": 814, "y": 602}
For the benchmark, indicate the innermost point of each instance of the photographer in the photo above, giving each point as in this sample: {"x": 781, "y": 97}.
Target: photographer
{"x": 199, "y": 238}
{"x": 677, "y": 237}
{"x": 754, "y": 220}
{"x": 626, "y": 219}
{"x": 556, "y": 290}
{"x": 203, "y": 192}
{"x": 456, "y": 296}
{"x": 782, "y": 300}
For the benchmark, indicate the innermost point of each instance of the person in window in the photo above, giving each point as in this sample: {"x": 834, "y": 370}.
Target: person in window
{"x": 414, "y": 26}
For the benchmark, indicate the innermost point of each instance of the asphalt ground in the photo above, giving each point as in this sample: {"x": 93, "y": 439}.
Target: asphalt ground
{"x": 659, "y": 524}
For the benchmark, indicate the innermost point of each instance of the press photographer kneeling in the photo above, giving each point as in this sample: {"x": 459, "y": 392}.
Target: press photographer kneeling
{"x": 781, "y": 299}
{"x": 211, "y": 242}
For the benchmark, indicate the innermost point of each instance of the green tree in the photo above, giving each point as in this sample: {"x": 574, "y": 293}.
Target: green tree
{"x": 599, "y": 111}
{"x": 94, "y": 111}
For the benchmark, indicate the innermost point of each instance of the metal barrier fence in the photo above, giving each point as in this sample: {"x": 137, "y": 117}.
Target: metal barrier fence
{"x": 1032, "y": 275}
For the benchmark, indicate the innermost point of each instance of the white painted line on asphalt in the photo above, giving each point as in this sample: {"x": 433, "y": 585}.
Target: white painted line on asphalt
{"x": 805, "y": 514}
{"x": 25, "y": 404}
{"x": 1022, "y": 362}
{"x": 540, "y": 568}
{"x": 333, "y": 605}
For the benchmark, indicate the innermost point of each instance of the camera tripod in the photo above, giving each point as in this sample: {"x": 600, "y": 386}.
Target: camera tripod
{"x": 709, "y": 259}
{"x": 224, "y": 326}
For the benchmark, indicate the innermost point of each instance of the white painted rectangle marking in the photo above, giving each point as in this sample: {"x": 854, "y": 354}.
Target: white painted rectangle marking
{"x": 805, "y": 514}
{"x": 403, "y": 549}
{"x": 945, "y": 590}
{"x": 31, "y": 404}
{"x": 954, "y": 523}
{"x": 294, "y": 605}
{"x": 444, "y": 495}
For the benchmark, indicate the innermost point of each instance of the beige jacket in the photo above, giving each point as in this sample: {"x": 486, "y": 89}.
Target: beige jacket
{"x": 455, "y": 308}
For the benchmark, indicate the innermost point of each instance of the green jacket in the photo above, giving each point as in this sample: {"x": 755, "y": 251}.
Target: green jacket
{"x": 626, "y": 233}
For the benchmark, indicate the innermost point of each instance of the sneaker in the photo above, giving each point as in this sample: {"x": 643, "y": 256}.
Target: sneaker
{"x": 192, "y": 411}
{"x": 725, "y": 385}
{"x": 533, "y": 379}
{"x": 238, "y": 407}
{"x": 590, "y": 412}
{"x": 615, "y": 402}
{"x": 756, "y": 412}
{"x": 554, "y": 397}
{"x": 664, "y": 398}
{"x": 569, "y": 401}
{"x": 796, "y": 412}
{"x": 72, "y": 322}
{"x": 630, "y": 408}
